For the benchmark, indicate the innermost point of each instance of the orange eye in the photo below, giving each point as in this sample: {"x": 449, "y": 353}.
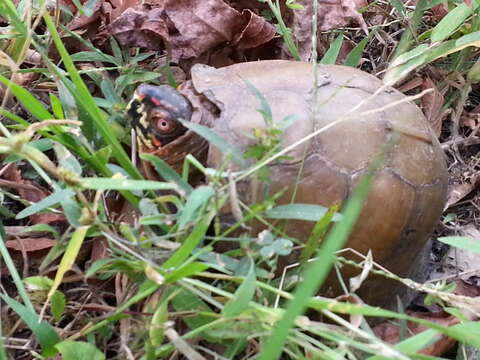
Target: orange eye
{"x": 162, "y": 122}
{"x": 164, "y": 125}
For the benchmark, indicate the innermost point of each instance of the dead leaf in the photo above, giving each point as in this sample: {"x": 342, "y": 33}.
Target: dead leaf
{"x": 118, "y": 8}
{"x": 189, "y": 28}
{"x": 460, "y": 261}
{"x": 30, "y": 244}
{"x": 411, "y": 84}
{"x": 256, "y": 32}
{"x": 390, "y": 332}
{"x": 30, "y": 192}
{"x": 355, "y": 319}
{"x": 471, "y": 119}
{"x": 82, "y": 21}
{"x": 99, "y": 250}
{"x": 332, "y": 14}
{"x": 432, "y": 104}
{"x": 142, "y": 27}
{"x": 356, "y": 281}
{"x": 347, "y": 47}
{"x": 465, "y": 289}
{"x": 456, "y": 192}
{"x": 439, "y": 12}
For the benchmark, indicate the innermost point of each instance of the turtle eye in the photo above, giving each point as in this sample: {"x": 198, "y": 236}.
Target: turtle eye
{"x": 162, "y": 121}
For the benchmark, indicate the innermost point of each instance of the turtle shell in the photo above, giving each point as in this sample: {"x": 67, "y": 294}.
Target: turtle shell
{"x": 354, "y": 115}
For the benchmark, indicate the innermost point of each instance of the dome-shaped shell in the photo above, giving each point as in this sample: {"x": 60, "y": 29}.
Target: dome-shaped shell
{"x": 358, "y": 115}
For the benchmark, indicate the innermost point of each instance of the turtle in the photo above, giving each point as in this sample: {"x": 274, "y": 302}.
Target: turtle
{"x": 342, "y": 119}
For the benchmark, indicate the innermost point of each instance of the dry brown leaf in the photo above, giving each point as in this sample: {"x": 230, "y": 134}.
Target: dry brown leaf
{"x": 30, "y": 244}
{"x": 456, "y": 192}
{"x": 411, "y": 84}
{"x": 432, "y": 104}
{"x": 31, "y": 192}
{"x": 99, "y": 250}
{"x": 189, "y": 28}
{"x": 439, "y": 11}
{"x": 355, "y": 319}
{"x": 461, "y": 262}
{"x": 256, "y": 32}
{"x": 471, "y": 119}
{"x": 83, "y": 21}
{"x": 118, "y": 7}
{"x": 140, "y": 27}
{"x": 390, "y": 332}
{"x": 332, "y": 14}
{"x": 466, "y": 289}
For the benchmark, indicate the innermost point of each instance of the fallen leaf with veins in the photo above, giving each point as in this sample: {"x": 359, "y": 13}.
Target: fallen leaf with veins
{"x": 456, "y": 192}
{"x": 30, "y": 244}
{"x": 332, "y": 14}
{"x": 30, "y": 192}
{"x": 390, "y": 332}
{"x": 432, "y": 104}
{"x": 188, "y": 28}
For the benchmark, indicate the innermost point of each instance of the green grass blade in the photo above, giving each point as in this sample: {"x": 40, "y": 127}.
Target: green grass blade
{"x": 423, "y": 54}
{"x": 412, "y": 344}
{"x": 411, "y": 30}
{"x": 35, "y": 107}
{"x": 196, "y": 201}
{"x": 69, "y": 257}
{"x": 307, "y": 212}
{"x": 319, "y": 230}
{"x": 166, "y": 172}
{"x": 14, "y": 117}
{"x": 57, "y": 107}
{"x": 44, "y": 332}
{"x": 85, "y": 99}
{"x": 213, "y": 138}
{"x": 242, "y": 297}
{"x": 191, "y": 242}
{"x": 13, "y": 271}
{"x": 399, "y": 6}
{"x": 317, "y": 271}
{"x": 9, "y": 11}
{"x": 49, "y": 201}
{"x": 452, "y": 21}
{"x": 331, "y": 55}
{"x": 188, "y": 270}
{"x": 79, "y": 350}
{"x": 353, "y": 58}
{"x": 125, "y": 184}
{"x": 462, "y": 242}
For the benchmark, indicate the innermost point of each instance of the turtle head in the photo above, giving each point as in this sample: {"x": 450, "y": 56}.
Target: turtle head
{"x": 155, "y": 112}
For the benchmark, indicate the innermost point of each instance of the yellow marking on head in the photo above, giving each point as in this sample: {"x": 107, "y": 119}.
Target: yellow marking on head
{"x": 142, "y": 139}
{"x": 143, "y": 120}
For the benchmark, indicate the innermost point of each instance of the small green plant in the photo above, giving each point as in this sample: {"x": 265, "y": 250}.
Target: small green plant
{"x": 283, "y": 29}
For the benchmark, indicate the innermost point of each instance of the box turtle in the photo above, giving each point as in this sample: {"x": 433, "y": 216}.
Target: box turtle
{"x": 357, "y": 114}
